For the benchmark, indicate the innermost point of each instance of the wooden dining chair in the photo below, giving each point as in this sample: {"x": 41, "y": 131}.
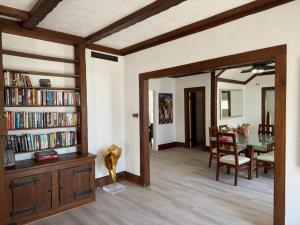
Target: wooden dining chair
{"x": 266, "y": 129}
{"x": 212, "y": 144}
{"x": 223, "y": 127}
{"x": 226, "y": 144}
{"x": 266, "y": 159}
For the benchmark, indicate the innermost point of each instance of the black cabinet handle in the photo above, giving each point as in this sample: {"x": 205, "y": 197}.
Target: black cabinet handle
{"x": 78, "y": 194}
{"x": 84, "y": 170}
{"x": 22, "y": 182}
{"x": 21, "y": 211}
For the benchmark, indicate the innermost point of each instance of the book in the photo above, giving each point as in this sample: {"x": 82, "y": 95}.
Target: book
{"x": 30, "y": 120}
{"x": 31, "y": 142}
{"x": 16, "y": 79}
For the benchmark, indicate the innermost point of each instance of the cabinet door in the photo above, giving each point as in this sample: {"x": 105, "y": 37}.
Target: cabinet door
{"x": 30, "y": 195}
{"x": 74, "y": 184}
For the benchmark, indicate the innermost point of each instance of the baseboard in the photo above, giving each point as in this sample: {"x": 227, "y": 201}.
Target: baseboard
{"x": 180, "y": 144}
{"x": 124, "y": 175}
{"x": 102, "y": 181}
{"x": 166, "y": 146}
{"x": 132, "y": 177}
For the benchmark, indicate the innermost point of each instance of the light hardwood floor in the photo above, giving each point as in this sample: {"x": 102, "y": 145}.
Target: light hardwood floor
{"x": 183, "y": 191}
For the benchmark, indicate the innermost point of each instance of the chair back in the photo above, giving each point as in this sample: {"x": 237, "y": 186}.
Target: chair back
{"x": 213, "y": 136}
{"x": 223, "y": 127}
{"x": 266, "y": 129}
{"x": 226, "y": 144}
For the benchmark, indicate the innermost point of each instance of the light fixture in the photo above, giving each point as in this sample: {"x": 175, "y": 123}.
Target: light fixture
{"x": 257, "y": 70}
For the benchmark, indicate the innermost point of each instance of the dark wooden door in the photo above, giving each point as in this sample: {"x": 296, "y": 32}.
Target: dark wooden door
{"x": 30, "y": 195}
{"x": 74, "y": 184}
{"x": 193, "y": 124}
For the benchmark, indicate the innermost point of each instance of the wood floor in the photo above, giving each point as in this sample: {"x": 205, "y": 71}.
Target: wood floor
{"x": 183, "y": 191}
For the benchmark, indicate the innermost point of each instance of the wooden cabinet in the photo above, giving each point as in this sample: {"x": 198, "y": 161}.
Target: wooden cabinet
{"x": 30, "y": 195}
{"x": 74, "y": 184}
{"x": 43, "y": 189}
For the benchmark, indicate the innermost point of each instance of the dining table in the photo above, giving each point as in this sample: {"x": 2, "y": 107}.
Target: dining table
{"x": 255, "y": 143}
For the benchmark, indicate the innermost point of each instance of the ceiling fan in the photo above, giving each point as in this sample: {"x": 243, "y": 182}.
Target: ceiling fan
{"x": 259, "y": 68}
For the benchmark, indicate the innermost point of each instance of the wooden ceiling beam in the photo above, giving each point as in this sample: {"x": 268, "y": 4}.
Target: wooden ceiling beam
{"x": 221, "y": 72}
{"x": 138, "y": 16}
{"x": 39, "y": 11}
{"x": 13, "y": 12}
{"x": 216, "y": 20}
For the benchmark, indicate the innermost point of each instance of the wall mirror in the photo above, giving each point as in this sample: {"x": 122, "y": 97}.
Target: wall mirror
{"x": 231, "y": 103}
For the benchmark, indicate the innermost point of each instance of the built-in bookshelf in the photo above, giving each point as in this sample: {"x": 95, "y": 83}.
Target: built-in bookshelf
{"x": 36, "y": 119}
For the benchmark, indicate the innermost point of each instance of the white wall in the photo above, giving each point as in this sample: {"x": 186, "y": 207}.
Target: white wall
{"x": 202, "y": 80}
{"x": 253, "y": 100}
{"x": 248, "y": 33}
{"x": 163, "y": 133}
{"x": 105, "y": 88}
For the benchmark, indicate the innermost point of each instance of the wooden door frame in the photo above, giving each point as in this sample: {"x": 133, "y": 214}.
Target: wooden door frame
{"x": 263, "y": 101}
{"x": 276, "y": 53}
{"x": 187, "y": 114}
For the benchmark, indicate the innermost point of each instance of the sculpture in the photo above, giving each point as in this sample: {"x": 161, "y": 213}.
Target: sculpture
{"x": 111, "y": 156}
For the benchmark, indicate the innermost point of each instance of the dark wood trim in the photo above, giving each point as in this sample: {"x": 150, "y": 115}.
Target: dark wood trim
{"x": 124, "y": 175}
{"x": 144, "y": 132}
{"x": 213, "y": 100}
{"x": 101, "y": 48}
{"x": 36, "y": 56}
{"x": 258, "y": 75}
{"x": 38, "y": 12}
{"x": 13, "y": 12}
{"x": 80, "y": 69}
{"x": 166, "y": 146}
{"x": 278, "y": 54}
{"x": 106, "y": 180}
{"x": 152, "y": 9}
{"x": 220, "y": 73}
{"x": 263, "y": 101}
{"x": 249, "y": 79}
{"x": 230, "y": 81}
{"x": 180, "y": 144}
{"x": 202, "y": 25}
{"x": 187, "y": 114}
{"x": 42, "y": 73}
{"x": 133, "y": 178}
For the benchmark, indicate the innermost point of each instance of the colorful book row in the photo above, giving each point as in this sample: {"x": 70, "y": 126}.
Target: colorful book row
{"x": 16, "y": 79}
{"x": 31, "y": 120}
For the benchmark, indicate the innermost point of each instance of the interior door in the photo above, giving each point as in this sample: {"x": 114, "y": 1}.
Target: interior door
{"x": 193, "y": 124}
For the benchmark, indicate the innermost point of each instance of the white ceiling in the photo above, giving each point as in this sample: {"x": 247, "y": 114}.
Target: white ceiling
{"x": 83, "y": 17}
{"x": 19, "y": 4}
{"x": 235, "y": 74}
{"x": 183, "y": 14}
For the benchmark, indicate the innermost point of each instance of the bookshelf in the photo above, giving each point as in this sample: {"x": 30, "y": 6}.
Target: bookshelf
{"x": 66, "y": 182}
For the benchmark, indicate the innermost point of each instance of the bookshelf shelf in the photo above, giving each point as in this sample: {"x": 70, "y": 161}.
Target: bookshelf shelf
{"x": 37, "y": 56}
{"x": 40, "y": 73}
{"x": 40, "y": 150}
{"x": 43, "y": 128}
{"x": 45, "y": 88}
{"x": 38, "y": 106}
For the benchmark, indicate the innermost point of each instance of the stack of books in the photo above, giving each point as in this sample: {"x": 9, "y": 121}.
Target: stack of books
{"x": 30, "y": 142}
{"x": 36, "y": 97}
{"x": 16, "y": 79}
{"x": 46, "y": 155}
{"x": 28, "y": 120}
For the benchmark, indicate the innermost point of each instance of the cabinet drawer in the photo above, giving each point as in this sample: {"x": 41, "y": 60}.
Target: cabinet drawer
{"x": 74, "y": 184}
{"x": 30, "y": 195}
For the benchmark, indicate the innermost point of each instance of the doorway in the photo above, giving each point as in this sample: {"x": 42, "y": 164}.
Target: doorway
{"x": 278, "y": 54}
{"x": 194, "y": 108}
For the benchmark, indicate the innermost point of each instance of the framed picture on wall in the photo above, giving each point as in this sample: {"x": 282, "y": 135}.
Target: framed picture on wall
{"x": 165, "y": 101}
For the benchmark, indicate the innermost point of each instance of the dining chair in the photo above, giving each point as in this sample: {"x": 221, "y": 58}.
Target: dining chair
{"x": 266, "y": 159}
{"x": 212, "y": 144}
{"x": 223, "y": 127}
{"x": 226, "y": 144}
{"x": 266, "y": 129}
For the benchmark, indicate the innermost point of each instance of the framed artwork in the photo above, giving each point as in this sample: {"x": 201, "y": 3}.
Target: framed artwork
{"x": 165, "y": 107}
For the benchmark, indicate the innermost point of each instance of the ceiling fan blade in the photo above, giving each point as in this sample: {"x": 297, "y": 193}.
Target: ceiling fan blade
{"x": 247, "y": 70}
{"x": 269, "y": 67}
